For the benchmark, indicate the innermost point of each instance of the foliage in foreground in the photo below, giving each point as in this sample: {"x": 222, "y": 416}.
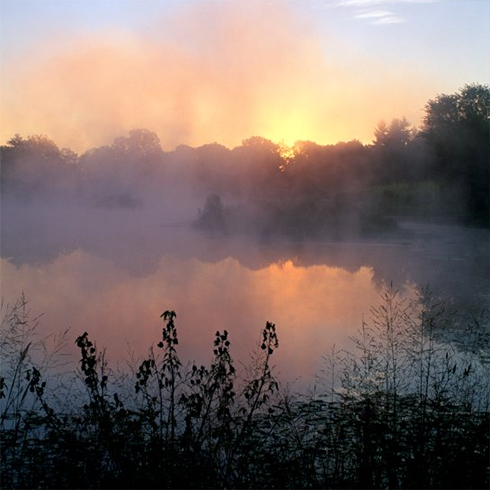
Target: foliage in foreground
{"x": 402, "y": 411}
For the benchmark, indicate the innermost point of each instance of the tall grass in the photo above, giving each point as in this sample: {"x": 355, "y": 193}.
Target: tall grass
{"x": 401, "y": 410}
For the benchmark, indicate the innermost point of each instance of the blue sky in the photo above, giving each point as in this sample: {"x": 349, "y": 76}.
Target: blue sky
{"x": 450, "y": 37}
{"x": 428, "y": 30}
{"x": 437, "y": 44}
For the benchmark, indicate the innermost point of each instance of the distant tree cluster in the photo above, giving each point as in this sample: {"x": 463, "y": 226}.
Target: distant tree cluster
{"x": 212, "y": 217}
{"x": 441, "y": 169}
{"x": 401, "y": 411}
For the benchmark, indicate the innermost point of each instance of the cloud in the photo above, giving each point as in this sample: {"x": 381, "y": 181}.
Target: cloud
{"x": 379, "y": 17}
{"x": 370, "y": 3}
{"x": 391, "y": 19}
{"x": 373, "y": 14}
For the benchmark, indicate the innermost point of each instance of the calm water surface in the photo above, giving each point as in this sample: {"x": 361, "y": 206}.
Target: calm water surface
{"x": 114, "y": 283}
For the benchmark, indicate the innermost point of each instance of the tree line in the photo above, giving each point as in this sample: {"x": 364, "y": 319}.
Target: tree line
{"x": 440, "y": 169}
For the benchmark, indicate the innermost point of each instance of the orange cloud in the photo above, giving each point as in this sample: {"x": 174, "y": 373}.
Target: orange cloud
{"x": 219, "y": 72}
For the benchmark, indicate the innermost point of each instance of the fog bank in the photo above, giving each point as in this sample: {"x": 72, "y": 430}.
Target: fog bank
{"x": 207, "y": 72}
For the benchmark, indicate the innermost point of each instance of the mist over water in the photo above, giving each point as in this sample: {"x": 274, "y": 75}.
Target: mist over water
{"x": 112, "y": 271}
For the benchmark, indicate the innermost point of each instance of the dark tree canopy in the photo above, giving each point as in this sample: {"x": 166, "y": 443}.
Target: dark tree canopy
{"x": 457, "y": 127}
{"x": 470, "y": 106}
{"x": 140, "y": 141}
{"x": 397, "y": 134}
{"x": 37, "y": 145}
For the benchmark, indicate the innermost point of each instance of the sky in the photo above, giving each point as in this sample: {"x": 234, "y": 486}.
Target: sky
{"x": 84, "y": 72}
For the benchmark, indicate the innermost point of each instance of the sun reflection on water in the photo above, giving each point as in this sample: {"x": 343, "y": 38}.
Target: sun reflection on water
{"x": 313, "y": 307}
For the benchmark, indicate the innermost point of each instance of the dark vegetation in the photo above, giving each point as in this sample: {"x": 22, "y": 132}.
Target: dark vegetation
{"x": 400, "y": 411}
{"x": 440, "y": 171}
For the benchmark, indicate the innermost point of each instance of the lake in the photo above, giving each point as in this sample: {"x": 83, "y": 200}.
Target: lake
{"x": 113, "y": 273}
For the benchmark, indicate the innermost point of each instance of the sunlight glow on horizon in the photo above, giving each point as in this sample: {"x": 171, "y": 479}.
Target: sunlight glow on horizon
{"x": 258, "y": 72}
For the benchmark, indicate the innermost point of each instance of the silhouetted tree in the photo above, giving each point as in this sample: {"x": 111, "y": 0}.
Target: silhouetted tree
{"x": 397, "y": 134}
{"x": 139, "y": 141}
{"x": 381, "y": 132}
{"x": 121, "y": 175}
{"x": 212, "y": 217}
{"x": 35, "y": 165}
{"x": 392, "y": 156}
{"x": 457, "y": 127}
